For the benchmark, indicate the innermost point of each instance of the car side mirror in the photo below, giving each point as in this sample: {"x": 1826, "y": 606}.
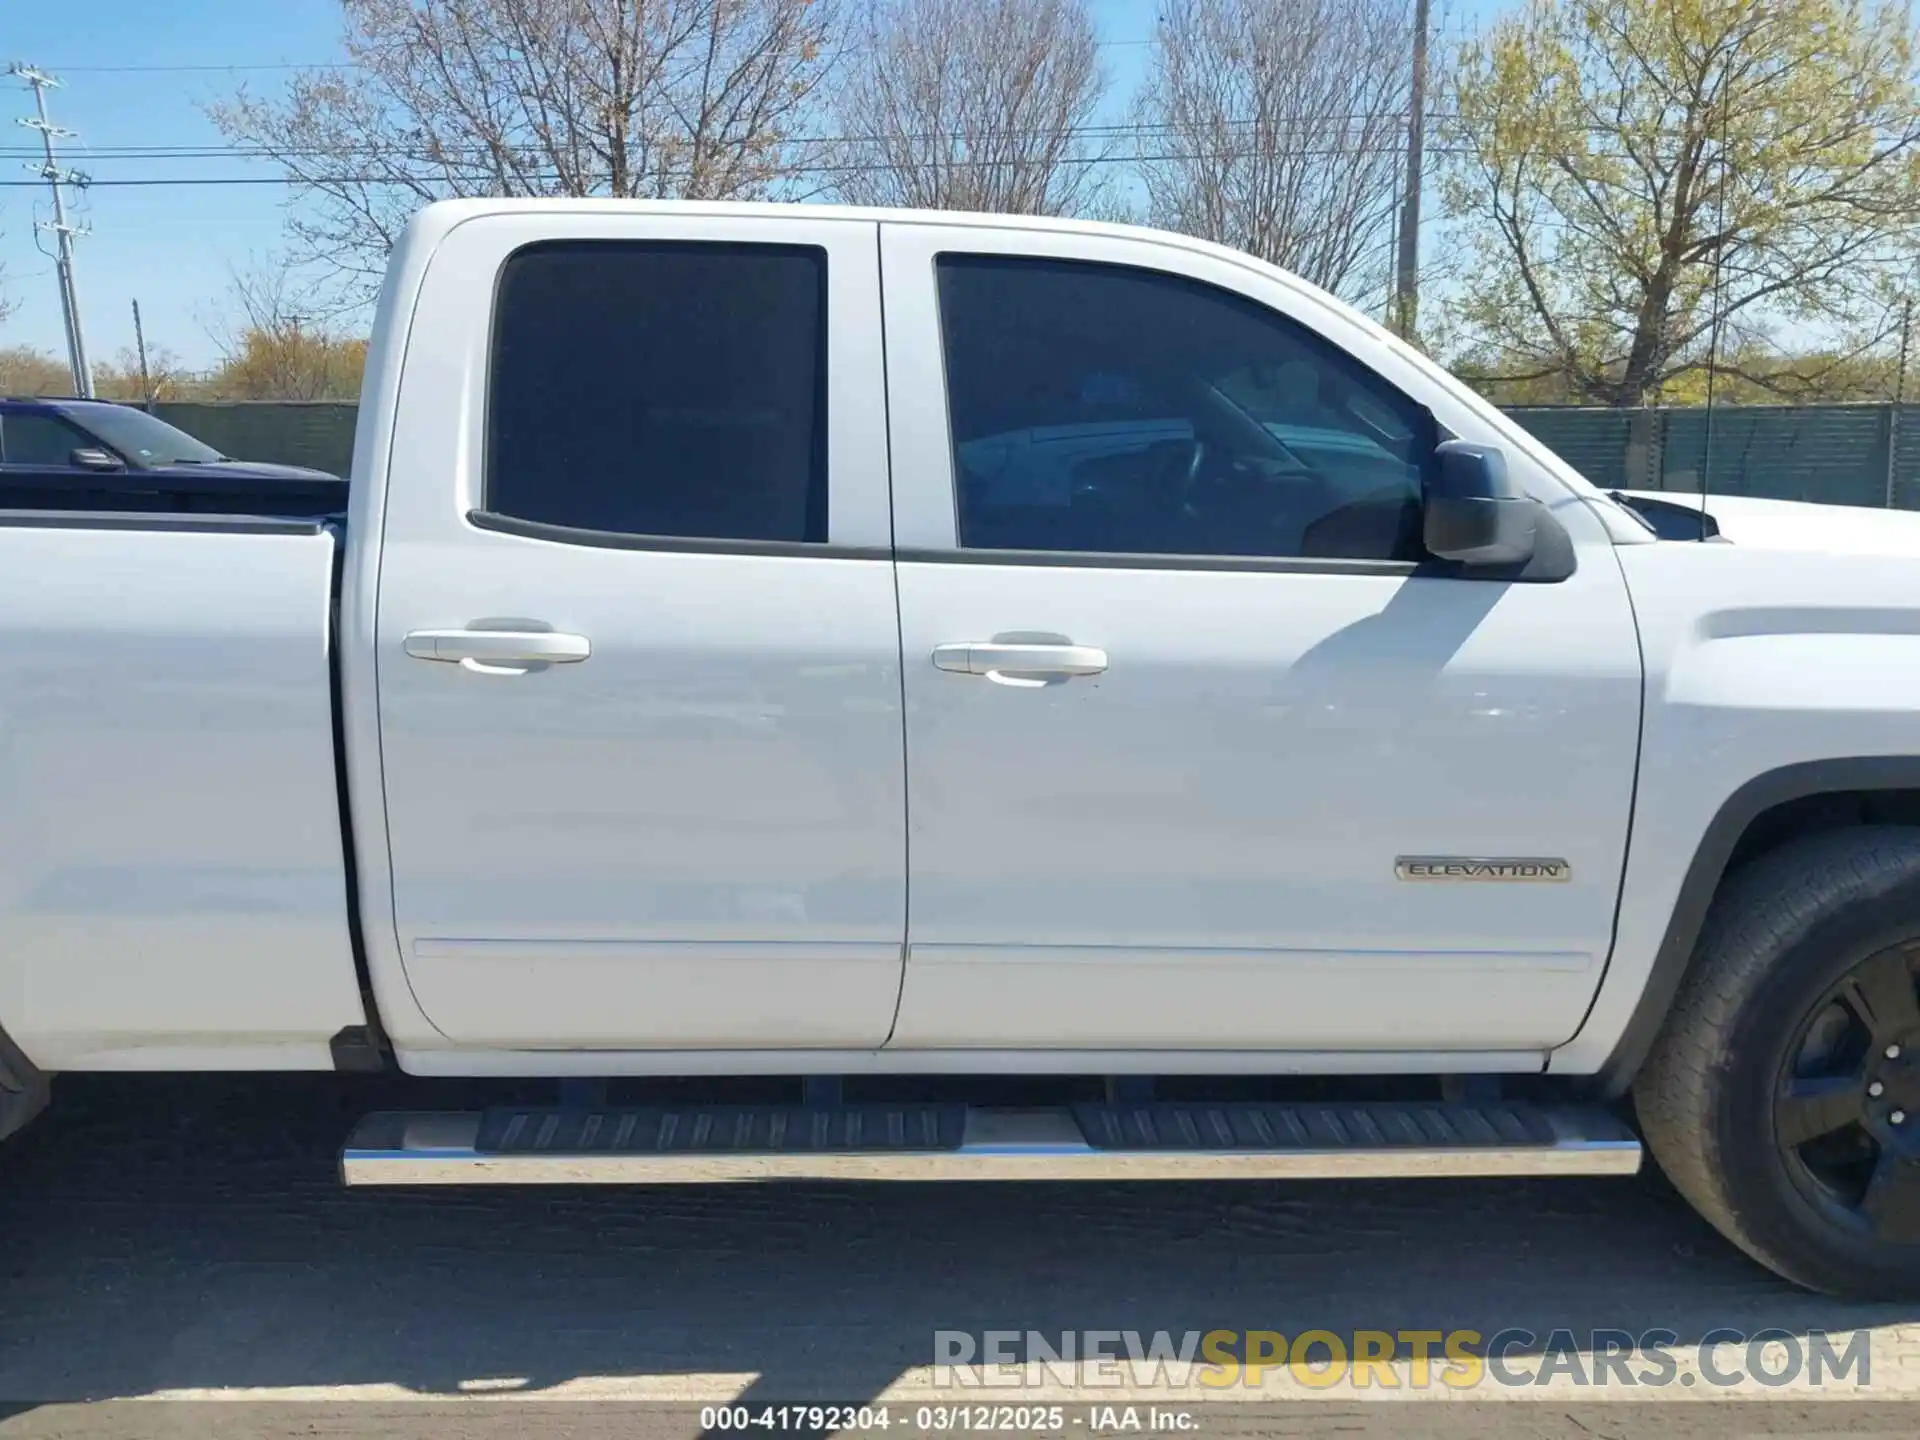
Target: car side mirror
{"x": 1474, "y": 513}
{"x": 89, "y": 457}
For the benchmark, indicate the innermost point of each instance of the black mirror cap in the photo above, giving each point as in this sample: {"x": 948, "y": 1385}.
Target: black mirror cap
{"x": 1463, "y": 470}
{"x": 1475, "y": 514}
{"x": 90, "y": 457}
{"x": 1479, "y": 532}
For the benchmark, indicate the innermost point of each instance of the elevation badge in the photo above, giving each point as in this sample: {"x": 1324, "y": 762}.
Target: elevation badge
{"x": 1484, "y": 868}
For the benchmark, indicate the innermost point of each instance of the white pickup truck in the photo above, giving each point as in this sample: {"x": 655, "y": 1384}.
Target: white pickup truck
{"x": 1075, "y": 701}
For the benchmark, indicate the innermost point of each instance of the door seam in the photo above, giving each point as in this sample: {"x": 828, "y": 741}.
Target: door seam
{"x": 900, "y": 648}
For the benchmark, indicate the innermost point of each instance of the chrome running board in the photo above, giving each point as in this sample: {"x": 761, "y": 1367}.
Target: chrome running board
{"x": 713, "y": 1144}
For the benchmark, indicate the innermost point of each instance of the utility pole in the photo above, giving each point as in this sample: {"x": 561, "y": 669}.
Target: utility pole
{"x": 62, "y": 231}
{"x": 1406, "y": 290}
{"x": 140, "y": 346}
{"x": 1899, "y": 399}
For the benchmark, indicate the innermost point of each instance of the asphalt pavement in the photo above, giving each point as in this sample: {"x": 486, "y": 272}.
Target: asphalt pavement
{"x": 177, "y": 1257}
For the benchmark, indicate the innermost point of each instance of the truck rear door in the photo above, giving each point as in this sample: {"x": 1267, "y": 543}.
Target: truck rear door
{"x": 637, "y": 641}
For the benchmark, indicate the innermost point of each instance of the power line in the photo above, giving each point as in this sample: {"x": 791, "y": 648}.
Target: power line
{"x": 189, "y": 150}
{"x": 200, "y": 150}
{"x": 869, "y": 167}
{"x": 452, "y": 157}
{"x": 256, "y": 66}
{"x": 191, "y": 69}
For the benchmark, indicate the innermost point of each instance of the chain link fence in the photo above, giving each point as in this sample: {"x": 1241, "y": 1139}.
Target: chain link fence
{"x": 315, "y": 433}
{"x": 1835, "y": 454}
{"x": 1831, "y": 454}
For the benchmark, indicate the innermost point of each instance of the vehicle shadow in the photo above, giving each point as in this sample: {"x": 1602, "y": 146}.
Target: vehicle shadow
{"x": 163, "y": 1235}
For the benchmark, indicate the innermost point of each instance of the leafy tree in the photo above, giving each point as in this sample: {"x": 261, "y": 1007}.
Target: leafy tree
{"x": 1629, "y": 176}
{"x": 1749, "y": 376}
{"x": 289, "y": 364}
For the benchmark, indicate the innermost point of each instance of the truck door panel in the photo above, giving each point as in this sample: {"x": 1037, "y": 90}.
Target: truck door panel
{"x": 674, "y": 817}
{"x": 1199, "y": 843}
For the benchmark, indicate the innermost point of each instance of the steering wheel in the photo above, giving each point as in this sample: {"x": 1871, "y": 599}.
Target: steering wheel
{"x": 1197, "y": 458}
{"x": 1187, "y": 500}
{"x": 1176, "y": 468}
{"x": 1250, "y": 508}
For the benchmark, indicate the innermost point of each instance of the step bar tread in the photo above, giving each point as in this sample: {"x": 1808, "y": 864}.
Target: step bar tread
{"x": 720, "y": 1129}
{"x": 711, "y": 1144}
{"x": 1254, "y": 1126}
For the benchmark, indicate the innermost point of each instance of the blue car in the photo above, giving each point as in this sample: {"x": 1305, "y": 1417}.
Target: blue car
{"x": 96, "y": 455}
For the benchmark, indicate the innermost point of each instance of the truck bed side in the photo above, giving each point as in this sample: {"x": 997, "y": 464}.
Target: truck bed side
{"x": 172, "y": 878}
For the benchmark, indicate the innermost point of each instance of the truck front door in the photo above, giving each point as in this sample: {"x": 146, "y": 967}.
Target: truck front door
{"x": 1196, "y": 731}
{"x": 638, "y": 651}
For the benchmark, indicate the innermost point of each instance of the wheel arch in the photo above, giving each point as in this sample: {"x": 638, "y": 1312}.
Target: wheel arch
{"x": 1768, "y": 811}
{"x": 23, "y": 1087}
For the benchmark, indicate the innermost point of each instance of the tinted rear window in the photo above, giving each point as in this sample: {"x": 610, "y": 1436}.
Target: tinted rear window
{"x": 661, "y": 389}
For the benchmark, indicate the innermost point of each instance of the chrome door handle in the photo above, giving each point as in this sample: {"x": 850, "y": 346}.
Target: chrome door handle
{"x": 1016, "y": 664}
{"x": 498, "y": 652}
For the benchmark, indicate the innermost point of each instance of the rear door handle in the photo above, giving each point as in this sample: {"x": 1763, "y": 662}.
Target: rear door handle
{"x": 498, "y": 652}
{"x": 1016, "y": 664}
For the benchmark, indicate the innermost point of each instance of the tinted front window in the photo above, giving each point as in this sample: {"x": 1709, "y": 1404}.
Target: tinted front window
{"x": 661, "y": 389}
{"x": 38, "y": 439}
{"x": 1102, "y": 408}
{"x": 143, "y": 440}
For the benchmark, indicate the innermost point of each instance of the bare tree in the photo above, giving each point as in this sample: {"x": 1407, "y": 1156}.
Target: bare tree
{"x": 1277, "y": 127}
{"x": 973, "y": 105}
{"x": 272, "y": 347}
{"x": 440, "y": 98}
{"x": 6, "y": 301}
{"x": 27, "y": 371}
{"x": 164, "y": 376}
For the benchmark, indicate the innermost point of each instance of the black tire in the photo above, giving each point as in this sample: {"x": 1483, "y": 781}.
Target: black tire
{"x": 1800, "y": 969}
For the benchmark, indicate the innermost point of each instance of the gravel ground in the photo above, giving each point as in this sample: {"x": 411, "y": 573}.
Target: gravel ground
{"x": 187, "y": 1239}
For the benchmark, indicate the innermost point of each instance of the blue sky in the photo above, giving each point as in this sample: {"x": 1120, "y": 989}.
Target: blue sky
{"x": 166, "y": 245}
{"x": 170, "y": 246}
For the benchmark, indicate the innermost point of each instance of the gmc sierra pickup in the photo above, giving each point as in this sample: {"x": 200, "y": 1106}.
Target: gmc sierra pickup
{"x": 947, "y": 659}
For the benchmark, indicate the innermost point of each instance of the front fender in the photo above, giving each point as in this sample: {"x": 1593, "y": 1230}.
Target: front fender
{"x": 1852, "y": 776}
{"x": 1771, "y": 676}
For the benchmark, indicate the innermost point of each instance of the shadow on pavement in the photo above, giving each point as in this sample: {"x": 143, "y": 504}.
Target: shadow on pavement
{"x": 162, "y": 1234}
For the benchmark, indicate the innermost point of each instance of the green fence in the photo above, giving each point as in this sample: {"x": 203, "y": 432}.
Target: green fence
{"x": 1835, "y": 454}
{"x": 317, "y": 433}
{"x": 1839, "y": 454}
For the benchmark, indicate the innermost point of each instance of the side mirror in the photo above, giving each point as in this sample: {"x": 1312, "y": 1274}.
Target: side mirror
{"x": 88, "y": 457}
{"x": 1474, "y": 513}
